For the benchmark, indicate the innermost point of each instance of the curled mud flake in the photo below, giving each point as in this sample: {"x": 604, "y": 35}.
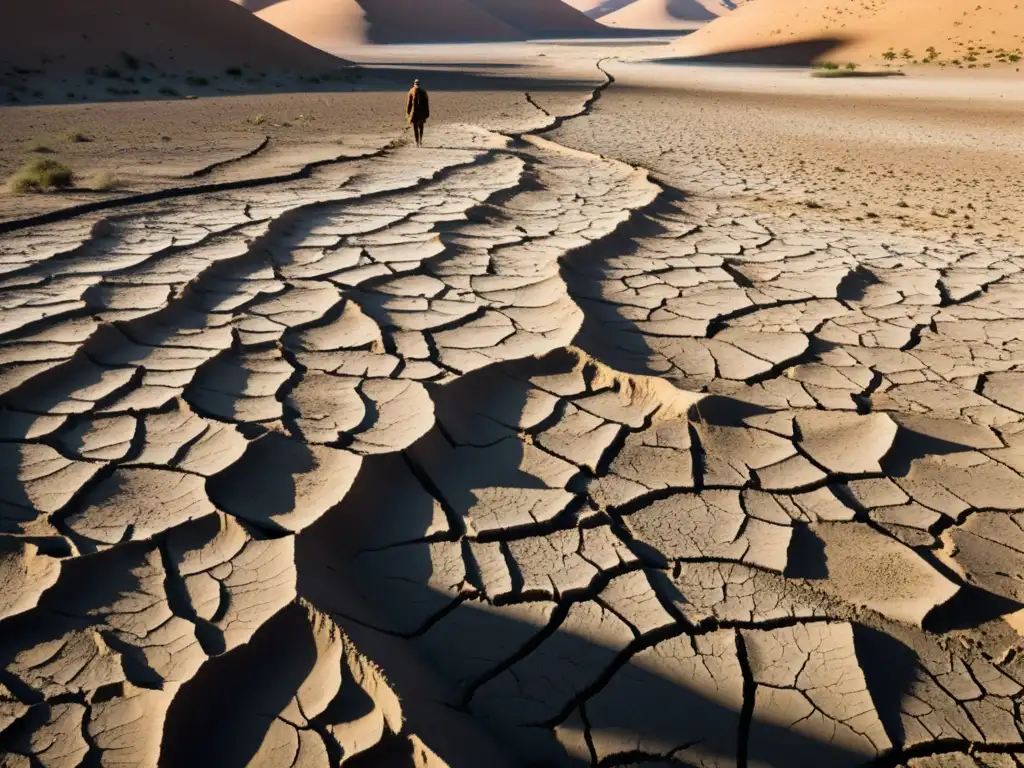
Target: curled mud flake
{"x": 899, "y": 584}
{"x": 282, "y": 484}
{"x": 134, "y": 504}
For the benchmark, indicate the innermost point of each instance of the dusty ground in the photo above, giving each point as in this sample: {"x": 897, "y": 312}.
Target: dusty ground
{"x": 575, "y": 438}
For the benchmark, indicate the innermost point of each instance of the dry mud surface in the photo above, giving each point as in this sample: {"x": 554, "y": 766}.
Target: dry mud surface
{"x": 502, "y": 452}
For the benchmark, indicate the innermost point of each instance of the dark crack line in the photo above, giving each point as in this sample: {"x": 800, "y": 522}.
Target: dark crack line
{"x": 230, "y": 161}
{"x": 72, "y": 212}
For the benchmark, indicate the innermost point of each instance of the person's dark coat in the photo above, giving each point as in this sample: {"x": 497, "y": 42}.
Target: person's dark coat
{"x": 417, "y": 109}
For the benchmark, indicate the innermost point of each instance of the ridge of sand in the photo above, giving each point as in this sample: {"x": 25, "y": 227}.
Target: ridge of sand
{"x": 864, "y": 32}
{"x": 331, "y": 24}
{"x": 59, "y": 37}
{"x": 540, "y": 18}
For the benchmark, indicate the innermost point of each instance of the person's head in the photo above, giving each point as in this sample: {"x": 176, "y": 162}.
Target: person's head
{"x": 416, "y": 83}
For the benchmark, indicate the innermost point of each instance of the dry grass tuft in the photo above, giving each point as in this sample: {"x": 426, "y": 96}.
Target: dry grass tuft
{"x": 42, "y": 174}
{"x": 104, "y": 181}
{"x": 76, "y": 137}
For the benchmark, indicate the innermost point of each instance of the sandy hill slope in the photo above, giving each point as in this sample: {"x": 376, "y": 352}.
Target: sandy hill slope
{"x": 334, "y": 24}
{"x": 664, "y": 14}
{"x": 961, "y": 32}
{"x": 255, "y": 5}
{"x": 597, "y": 8}
{"x": 540, "y": 18}
{"x": 57, "y": 37}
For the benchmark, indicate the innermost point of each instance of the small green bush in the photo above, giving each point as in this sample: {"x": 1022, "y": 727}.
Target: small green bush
{"x": 76, "y": 137}
{"x": 130, "y": 61}
{"x": 197, "y": 80}
{"x": 42, "y": 175}
{"x": 168, "y": 91}
{"x": 850, "y": 66}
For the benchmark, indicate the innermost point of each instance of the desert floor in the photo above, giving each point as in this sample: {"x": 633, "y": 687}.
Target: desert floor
{"x": 649, "y": 415}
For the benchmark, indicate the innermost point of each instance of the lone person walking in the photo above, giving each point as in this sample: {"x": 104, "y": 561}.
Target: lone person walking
{"x": 417, "y": 110}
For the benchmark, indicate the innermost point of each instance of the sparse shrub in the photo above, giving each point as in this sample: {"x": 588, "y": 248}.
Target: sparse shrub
{"x": 826, "y": 65}
{"x": 889, "y": 55}
{"x": 812, "y": 204}
{"x": 104, "y": 181}
{"x": 850, "y": 66}
{"x": 256, "y": 119}
{"x": 76, "y": 137}
{"x": 1014, "y": 57}
{"x": 166, "y": 90}
{"x": 197, "y": 81}
{"x": 39, "y": 146}
{"x": 43, "y": 174}
{"x": 112, "y": 74}
{"x": 233, "y": 71}
{"x": 130, "y": 61}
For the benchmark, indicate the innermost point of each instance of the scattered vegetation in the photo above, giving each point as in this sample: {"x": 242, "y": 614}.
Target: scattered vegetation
{"x": 233, "y": 71}
{"x": 112, "y": 74}
{"x": 131, "y": 62}
{"x": 826, "y": 65}
{"x": 812, "y": 204}
{"x": 889, "y": 55}
{"x": 40, "y": 146}
{"x": 42, "y": 175}
{"x": 256, "y": 119}
{"x": 830, "y": 73}
{"x": 197, "y": 81}
{"x": 168, "y": 91}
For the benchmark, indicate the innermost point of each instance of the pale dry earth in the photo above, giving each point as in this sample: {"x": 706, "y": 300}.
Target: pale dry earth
{"x": 566, "y": 440}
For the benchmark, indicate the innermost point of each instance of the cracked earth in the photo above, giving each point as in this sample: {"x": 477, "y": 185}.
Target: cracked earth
{"x": 502, "y": 452}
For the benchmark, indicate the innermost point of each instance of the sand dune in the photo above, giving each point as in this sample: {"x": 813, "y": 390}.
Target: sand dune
{"x": 255, "y": 5}
{"x": 177, "y": 35}
{"x": 664, "y": 14}
{"x": 915, "y": 30}
{"x": 540, "y": 18}
{"x": 333, "y": 24}
{"x": 654, "y": 14}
